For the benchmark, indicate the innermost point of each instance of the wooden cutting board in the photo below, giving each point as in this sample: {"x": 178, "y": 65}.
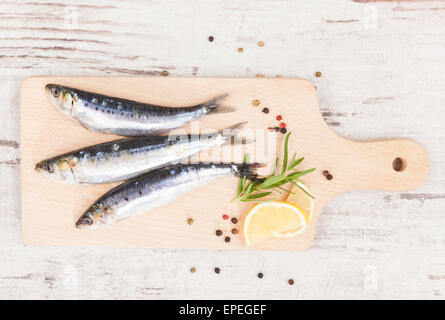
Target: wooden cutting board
{"x": 50, "y": 209}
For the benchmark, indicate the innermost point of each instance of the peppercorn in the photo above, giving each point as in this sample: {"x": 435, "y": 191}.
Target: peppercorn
{"x": 225, "y": 217}
{"x": 227, "y": 239}
{"x": 256, "y": 102}
{"x": 234, "y": 231}
{"x": 282, "y": 125}
{"x": 192, "y": 269}
{"x": 218, "y": 233}
{"x": 234, "y": 220}
{"x": 164, "y": 73}
{"x": 291, "y": 281}
{"x": 279, "y": 117}
{"x": 277, "y": 129}
{"x": 283, "y": 130}
{"x": 217, "y": 270}
{"x": 325, "y": 173}
{"x": 329, "y": 177}
{"x": 266, "y": 110}
{"x": 318, "y": 74}
{"x": 260, "y": 275}
{"x": 260, "y": 44}
{"x": 240, "y": 49}
{"x": 190, "y": 221}
{"x": 210, "y": 38}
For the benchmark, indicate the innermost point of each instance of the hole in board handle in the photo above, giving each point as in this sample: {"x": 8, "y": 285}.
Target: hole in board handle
{"x": 399, "y": 164}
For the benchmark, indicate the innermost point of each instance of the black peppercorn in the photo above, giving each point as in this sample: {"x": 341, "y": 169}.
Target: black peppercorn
{"x": 260, "y": 275}
{"x": 217, "y": 270}
{"x": 283, "y": 130}
{"x": 266, "y": 110}
{"x": 234, "y": 220}
{"x": 227, "y": 239}
{"x": 329, "y": 177}
{"x": 218, "y": 233}
{"x": 291, "y": 281}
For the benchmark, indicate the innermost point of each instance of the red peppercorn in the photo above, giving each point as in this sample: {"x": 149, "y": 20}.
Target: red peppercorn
{"x": 282, "y": 125}
{"x": 279, "y": 118}
{"x": 225, "y": 217}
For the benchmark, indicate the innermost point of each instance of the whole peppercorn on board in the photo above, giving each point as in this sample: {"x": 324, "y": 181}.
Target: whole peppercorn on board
{"x": 50, "y": 209}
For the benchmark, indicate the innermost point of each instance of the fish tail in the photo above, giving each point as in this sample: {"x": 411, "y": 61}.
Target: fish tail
{"x": 231, "y": 134}
{"x": 214, "y": 105}
{"x": 248, "y": 170}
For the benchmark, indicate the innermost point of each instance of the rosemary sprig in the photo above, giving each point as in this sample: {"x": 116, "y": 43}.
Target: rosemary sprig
{"x": 262, "y": 187}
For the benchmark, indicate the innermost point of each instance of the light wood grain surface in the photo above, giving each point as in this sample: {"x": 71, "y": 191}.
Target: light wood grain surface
{"x": 47, "y": 133}
{"x": 382, "y": 68}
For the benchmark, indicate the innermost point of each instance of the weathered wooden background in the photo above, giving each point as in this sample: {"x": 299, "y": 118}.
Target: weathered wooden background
{"x": 382, "y": 65}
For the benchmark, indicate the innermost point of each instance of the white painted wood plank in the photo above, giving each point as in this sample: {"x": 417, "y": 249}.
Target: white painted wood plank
{"x": 382, "y": 66}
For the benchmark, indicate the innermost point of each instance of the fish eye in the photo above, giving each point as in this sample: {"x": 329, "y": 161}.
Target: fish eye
{"x": 55, "y": 91}
{"x": 49, "y": 168}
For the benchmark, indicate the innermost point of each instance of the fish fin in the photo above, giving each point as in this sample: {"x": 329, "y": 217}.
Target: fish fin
{"x": 214, "y": 105}
{"x": 249, "y": 170}
{"x": 230, "y": 134}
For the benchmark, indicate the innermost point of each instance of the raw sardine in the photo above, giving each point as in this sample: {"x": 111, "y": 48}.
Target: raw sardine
{"x": 123, "y": 117}
{"x": 155, "y": 189}
{"x": 126, "y": 158}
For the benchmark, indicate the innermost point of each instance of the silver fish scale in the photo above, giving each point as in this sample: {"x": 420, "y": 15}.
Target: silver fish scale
{"x": 126, "y": 158}
{"x": 154, "y": 189}
{"x": 106, "y": 114}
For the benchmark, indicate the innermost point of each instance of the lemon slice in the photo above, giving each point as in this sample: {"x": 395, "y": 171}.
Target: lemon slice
{"x": 269, "y": 219}
{"x": 301, "y": 199}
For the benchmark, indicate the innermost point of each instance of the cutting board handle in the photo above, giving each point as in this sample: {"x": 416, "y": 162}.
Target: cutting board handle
{"x": 392, "y": 164}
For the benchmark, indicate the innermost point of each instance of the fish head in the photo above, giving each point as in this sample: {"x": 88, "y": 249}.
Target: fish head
{"x": 93, "y": 218}
{"x": 58, "y": 169}
{"x": 61, "y": 97}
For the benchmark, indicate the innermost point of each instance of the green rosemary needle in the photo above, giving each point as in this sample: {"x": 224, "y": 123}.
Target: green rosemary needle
{"x": 262, "y": 187}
